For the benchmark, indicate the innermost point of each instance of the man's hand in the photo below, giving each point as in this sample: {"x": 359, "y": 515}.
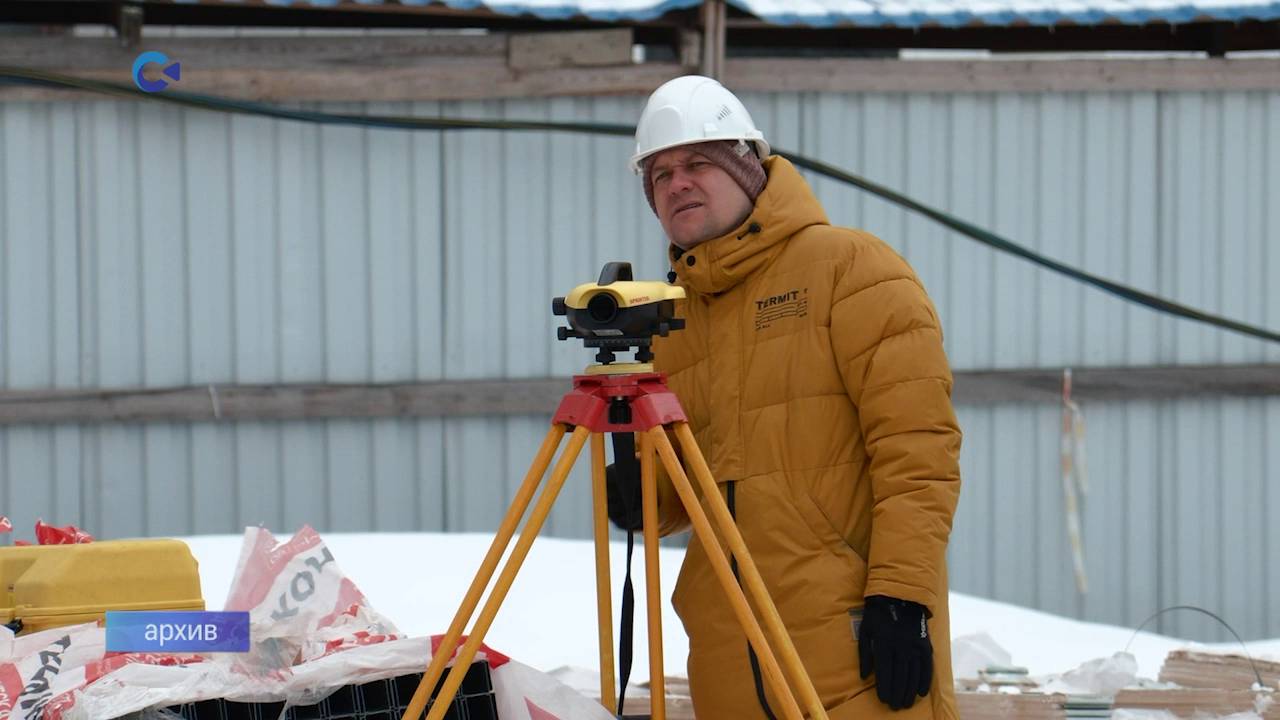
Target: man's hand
{"x": 893, "y": 642}
{"x": 623, "y": 492}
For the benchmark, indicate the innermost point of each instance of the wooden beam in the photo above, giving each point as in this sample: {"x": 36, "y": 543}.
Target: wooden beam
{"x": 481, "y": 78}
{"x": 332, "y": 53}
{"x": 283, "y": 402}
{"x": 463, "y": 398}
{"x": 440, "y": 67}
{"x": 985, "y": 387}
{"x": 476, "y": 80}
{"x": 581, "y": 48}
{"x": 467, "y": 67}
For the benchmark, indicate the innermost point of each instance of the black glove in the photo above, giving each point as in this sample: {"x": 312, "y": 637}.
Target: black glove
{"x": 622, "y": 488}
{"x": 893, "y": 642}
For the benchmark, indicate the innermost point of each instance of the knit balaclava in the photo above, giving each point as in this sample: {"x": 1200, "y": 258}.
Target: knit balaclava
{"x": 735, "y": 157}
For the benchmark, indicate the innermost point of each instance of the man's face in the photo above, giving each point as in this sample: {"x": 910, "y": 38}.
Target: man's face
{"x": 696, "y": 200}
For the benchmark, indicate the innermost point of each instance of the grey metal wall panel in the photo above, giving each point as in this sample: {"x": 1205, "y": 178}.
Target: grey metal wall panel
{"x": 1269, "y": 538}
{"x": 1105, "y": 519}
{"x": 305, "y": 476}
{"x": 1244, "y": 523}
{"x": 1104, "y": 204}
{"x": 237, "y": 469}
{"x": 1178, "y": 512}
{"x": 150, "y": 246}
{"x": 1143, "y": 480}
{"x": 1266, "y": 124}
{"x": 475, "y": 296}
{"x": 298, "y": 232}
{"x": 394, "y": 500}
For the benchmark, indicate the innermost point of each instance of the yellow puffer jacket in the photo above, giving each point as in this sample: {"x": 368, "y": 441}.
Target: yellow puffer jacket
{"x": 814, "y": 379}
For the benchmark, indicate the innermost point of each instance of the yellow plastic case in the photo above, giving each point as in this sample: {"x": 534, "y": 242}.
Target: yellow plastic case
{"x": 49, "y": 586}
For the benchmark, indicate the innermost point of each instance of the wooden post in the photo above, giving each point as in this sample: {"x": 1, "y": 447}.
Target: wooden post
{"x": 713, "y": 35}
{"x": 129, "y": 19}
{"x": 690, "y": 49}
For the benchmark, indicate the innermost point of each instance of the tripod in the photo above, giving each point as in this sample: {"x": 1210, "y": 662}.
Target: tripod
{"x": 623, "y": 398}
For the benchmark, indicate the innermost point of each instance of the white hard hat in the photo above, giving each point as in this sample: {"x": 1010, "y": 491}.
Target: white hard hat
{"x": 693, "y": 109}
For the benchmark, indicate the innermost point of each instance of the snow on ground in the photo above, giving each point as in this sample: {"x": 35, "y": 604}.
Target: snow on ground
{"x": 548, "y": 620}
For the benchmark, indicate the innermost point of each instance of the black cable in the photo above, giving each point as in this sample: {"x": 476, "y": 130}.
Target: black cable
{"x": 217, "y": 104}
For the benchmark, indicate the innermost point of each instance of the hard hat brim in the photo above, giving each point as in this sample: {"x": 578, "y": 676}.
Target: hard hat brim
{"x": 762, "y": 147}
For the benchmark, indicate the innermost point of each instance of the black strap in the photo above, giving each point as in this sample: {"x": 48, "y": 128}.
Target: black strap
{"x": 751, "y": 652}
{"x": 625, "y": 625}
{"x": 624, "y": 459}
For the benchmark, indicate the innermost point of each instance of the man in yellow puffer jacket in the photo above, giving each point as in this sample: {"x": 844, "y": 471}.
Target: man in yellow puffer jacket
{"x": 813, "y": 375}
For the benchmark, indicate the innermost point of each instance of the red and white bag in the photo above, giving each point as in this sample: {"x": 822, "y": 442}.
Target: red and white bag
{"x": 301, "y": 606}
{"x": 311, "y": 631}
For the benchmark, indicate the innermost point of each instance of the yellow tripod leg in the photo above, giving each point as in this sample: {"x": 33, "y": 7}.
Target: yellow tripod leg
{"x": 604, "y": 598}
{"x": 499, "y": 546}
{"x": 720, "y": 564}
{"x": 653, "y": 586}
{"x": 750, "y": 573}
{"x": 508, "y": 575}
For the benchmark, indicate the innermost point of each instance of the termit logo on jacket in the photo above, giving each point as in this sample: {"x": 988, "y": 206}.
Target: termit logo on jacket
{"x": 793, "y": 303}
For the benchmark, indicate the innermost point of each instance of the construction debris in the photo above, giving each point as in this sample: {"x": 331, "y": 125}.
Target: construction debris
{"x": 1198, "y": 702}
{"x": 1001, "y": 706}
{"x": 1193, "y": 669}
{"x": 1193, "y": 684}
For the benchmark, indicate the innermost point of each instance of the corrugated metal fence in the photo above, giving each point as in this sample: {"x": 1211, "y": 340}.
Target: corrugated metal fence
{"x": 148, "y": 246}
